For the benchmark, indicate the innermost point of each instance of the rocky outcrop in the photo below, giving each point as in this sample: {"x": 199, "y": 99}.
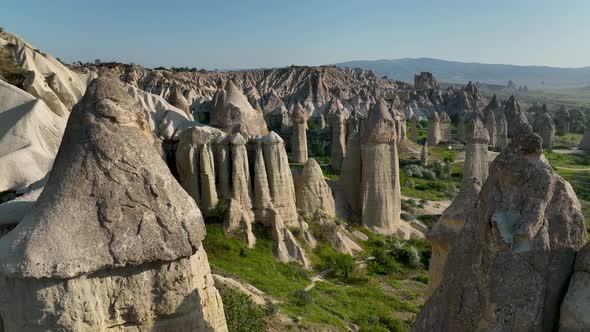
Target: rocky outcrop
{"x": 238, "y": 223}
{"x": 512, "y": 265}
{"x": 240, "y": 172}
{"x": 351, "y": 174}
{"x": 299, "y": 135}
{"x": 380, "y": 188}
{"x": 313, "y": 193}
{"x": 574, "y": 308}
{"x": 30, "y": 134}
{"x": 445, "y": 127}
{"x": 414, "y": 129}
{"x": 337, "y": 123}
{"x": 424, "y": 81}
{"x": 563, "y": 119}
{"x": 501, "y": 130}
{"x": 286, "y": 247}
{"x": 434, "y": 131}
{"x": 476, "y": 150}
{"x": 491, "y": 127}
{"x": 424, "y": 155}
{"x": 113, "y": 240}
{"x": 585, "y": 143}
{"x": 545, "y": 127}
{"x": 515, "y": 116}
{"x": 234, "y": 114}
{"x": 177, "y": 99}
{"x": 444, "y": 233}
{"x": 280, "y": 179}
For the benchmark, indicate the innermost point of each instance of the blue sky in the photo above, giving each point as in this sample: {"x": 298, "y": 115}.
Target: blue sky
{"x": 259, "y": 33}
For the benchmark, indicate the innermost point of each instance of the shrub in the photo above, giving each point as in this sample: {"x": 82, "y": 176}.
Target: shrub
{"x": 383, "y": 264}
{"x": 216, "y": 215}
{"x": 407, "y": 255}
{"x": 241, "y": 314}
{"x": 341, "y": 264}
{"x": 303, "y": 297}
{"x": 428, "y": 174}
{"x": 413, "y": 170}
{"x": 438, "y": 185}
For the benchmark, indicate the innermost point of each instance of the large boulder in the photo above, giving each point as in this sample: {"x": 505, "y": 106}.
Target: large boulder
{"x": 545, "y": 127}
{"x": 113, "y": 240}
{"x": 510, "y": 265}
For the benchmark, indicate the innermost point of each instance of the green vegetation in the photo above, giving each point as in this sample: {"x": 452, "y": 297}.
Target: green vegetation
{"x": 559, "y": 160}
{"x": 240, "y": 313}
{"x": 349, "y": 294}
{"x": 572, "y": 137}
{"x": 10, "y": 71}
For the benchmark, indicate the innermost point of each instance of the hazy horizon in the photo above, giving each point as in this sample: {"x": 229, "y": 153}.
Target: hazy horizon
{"x": 266, "y": 34}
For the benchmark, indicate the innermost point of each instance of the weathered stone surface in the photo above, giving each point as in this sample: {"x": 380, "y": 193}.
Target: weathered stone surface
{"x": 476, "y": 150}
{"x": 351, "y": 174}
{"x": 501, "y": 130}
{"x": 338, "y": 150}
{"x": 434, "y": 133}
{"x": 312, "y": 192}
{"x": 177, "y": 99}
{"x": 262, "y": 199}
{"x": 574, "y": 308}
{"x": 424, "y": 155}
{"x": 280, "y": 179}
{"x": 414, "y": 129}
{"x": 515, "y": 116}
{"x": 207, "y": 178}
{"x": 240, "y": 172}
{"x": 511, "y": 267}
{"x": 299, "y": 135}
{"x": 234, "y": 114}
{"x": 490, "y": 124}
{"x": 545, "y": 127}
{"x": 238, "y": 223}
{"x": 445, "y": 127}
{"x": 444, "y": 233}
{"x": 425, "y": 80}
{"x": 379, "y": 188}
{"x": 286, "y": 247}
{"x": 112, "y": 222}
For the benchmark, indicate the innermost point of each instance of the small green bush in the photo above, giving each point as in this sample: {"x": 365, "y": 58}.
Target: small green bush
{"x": 341, "y": 264}
{"x": 303, "y": 297}
{"x": 216, "y": 215}
{"x": 241, "y": 314}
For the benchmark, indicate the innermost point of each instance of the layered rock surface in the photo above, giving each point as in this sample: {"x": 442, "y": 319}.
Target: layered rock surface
{"x": 111, "y": 220}
{"x": 476, "y": 150}
{"x": 574, "y": 309}
{"x": 513, "y": 263}
{"x": 313, "y": 193}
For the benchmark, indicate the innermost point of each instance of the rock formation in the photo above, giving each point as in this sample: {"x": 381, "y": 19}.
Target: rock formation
{"x": 238, "y": 223}
{"x": 113, "y": 239}
{"x": 338, "y": 150}
{"x": 444, "y": 233}
{"x": 585, "y": 143}
{"x": 476, "y": 150}
{"x": 501, "y": 130}
{"x": 240, "y": 172}
{"x": 545, "y": 127}
{"x": 445, "y": 127}
{"x": 351, "y": 174}
{"x": 490, "y": 124}
{"x": 434, "y": 131}
{"x": 177, "y": 99}
{"x": 299, "y": 136}
{"x": 424, "y": 155}
{"x": 425, "y": 81}
{"x": 574, "y": 308}
{"x": 286, "y": 247}
{"x": 234, "y": 114}
{"x": 563, "y": 119}
{"x": 515, "y": 116}
{"x": 511, "y": 267}
{"x": 312, "y": 192}
{"x": 414, "y": 129}
{"x": 380, "y": 188}
{"x": 280, "y": 179}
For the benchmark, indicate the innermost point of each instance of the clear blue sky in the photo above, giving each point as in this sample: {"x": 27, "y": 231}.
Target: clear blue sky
{"x": 260, "y": 33}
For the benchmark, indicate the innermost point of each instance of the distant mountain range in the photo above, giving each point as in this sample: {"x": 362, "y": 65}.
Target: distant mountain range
{"x": 462, "y": 72}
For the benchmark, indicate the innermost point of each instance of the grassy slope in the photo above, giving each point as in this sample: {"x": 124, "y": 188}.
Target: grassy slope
{"x": 361, "y": 298}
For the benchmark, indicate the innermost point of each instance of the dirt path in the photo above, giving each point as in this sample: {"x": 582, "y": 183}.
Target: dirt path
{"x": 574, "y": 169}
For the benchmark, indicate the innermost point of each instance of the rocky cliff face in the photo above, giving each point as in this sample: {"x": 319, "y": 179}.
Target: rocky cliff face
{"x": 111, "y": 220}
{"x": 476, "y": 150}
{"x": 574, "y": 309}
{"x": 512, "y": 264}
